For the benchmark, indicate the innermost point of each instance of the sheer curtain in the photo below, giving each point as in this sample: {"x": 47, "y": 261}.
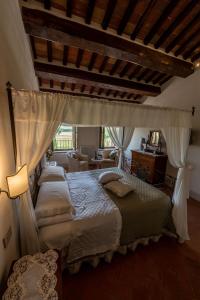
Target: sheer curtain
{"x": 37, "y": 117}
{"x": 121, "y": 137}
{"x": 177, "y": 140}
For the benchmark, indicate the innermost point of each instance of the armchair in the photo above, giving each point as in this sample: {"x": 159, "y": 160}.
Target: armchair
{"x": 75, "y": 165}
{"x": 109, "y": 158}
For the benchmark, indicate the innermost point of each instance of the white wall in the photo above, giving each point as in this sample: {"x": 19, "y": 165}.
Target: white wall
{"x": 185, "y": 93}
{"x": 16, "y": 67}
{"x": 136, "y": 140}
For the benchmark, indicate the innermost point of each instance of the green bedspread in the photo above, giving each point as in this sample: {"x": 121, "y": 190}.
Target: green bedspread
{"x": 145, "y": 212}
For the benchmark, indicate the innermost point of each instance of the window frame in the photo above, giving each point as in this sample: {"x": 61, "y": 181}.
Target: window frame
{"x": 101, "y": 139}
{"x": 74, "y": 139}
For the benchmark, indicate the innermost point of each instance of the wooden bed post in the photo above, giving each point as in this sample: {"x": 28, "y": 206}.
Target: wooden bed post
{"x": 12, "y": 120}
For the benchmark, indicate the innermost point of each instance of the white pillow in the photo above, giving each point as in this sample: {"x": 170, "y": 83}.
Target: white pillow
{"x": 108, "y": 176}
{"x": 119, "y": 188}
{"x": 54, "y": 219}
{"x": 52, "y": 173}
{"x": 53, "y": 199}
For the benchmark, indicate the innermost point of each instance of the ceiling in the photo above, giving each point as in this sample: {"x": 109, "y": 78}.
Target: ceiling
{"x": 118, "y": 50}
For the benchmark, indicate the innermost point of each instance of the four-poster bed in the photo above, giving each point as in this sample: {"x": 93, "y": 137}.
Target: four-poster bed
{"x": 37, "y": 116}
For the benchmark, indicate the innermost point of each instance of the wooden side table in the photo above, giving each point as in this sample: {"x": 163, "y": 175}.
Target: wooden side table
{"x": 95, "y": 163}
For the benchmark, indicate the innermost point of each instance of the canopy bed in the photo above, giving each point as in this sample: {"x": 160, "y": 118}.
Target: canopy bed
{"x": 36, "y": 118}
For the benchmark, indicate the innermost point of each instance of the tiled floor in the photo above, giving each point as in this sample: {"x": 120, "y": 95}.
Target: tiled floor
{"x": 160, "y": 271}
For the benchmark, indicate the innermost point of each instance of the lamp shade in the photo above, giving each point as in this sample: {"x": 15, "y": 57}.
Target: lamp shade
{"x": 18, "y": 183}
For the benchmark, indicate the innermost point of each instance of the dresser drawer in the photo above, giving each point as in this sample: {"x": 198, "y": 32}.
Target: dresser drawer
{"x": 148, "y": 167}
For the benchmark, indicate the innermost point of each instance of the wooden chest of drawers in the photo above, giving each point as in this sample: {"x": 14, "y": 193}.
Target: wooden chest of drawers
{"x": 148, "y": 166}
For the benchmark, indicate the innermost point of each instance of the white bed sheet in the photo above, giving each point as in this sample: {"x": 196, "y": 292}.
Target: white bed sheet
{"x": 96, "y": 227}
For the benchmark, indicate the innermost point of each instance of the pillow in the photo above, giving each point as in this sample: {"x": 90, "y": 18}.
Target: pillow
{"x": 52, "y": 173}
{"x": 108, "y": 176}
{"x": 105, "y": 153}
{"x": 80, "y": 156}
{"x": 53, "y": 199}
{"x": 113, "y": 154}
{"x": 41, "y": 222}
{"x": 119, "y": 188}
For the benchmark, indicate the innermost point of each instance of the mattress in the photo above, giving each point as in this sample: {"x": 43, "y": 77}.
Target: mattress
{"x": 103, "y": 221}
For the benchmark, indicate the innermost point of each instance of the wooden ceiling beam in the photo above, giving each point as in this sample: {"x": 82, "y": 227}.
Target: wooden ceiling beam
{"x": 91, "y": 90}
{"x": 135, "y": 72}
{"x": 100, "y": 91}
{"x": 83, "y": 88}
{"x": 62, "y": 85}
{"x": 51, "y": 83}
{"x": 65, "y": 55}
{"x": 166, "y": 12}
{"x": 125, "y": 69}
{"x": 189, "y": 52}
{"x": 47, "y": 4}
{"x": 90, "y": 9}
{"x": 103, "y": 65}
{"x": 108, "y": 14}
{"x": 158, "y": 78}
{"x": 165, "y": 79}
{"x": 142, "y": 19}
{"x": 73, "y": 86}
{"x": 77, "y": 76}
{"x": 49, "y": 51}
{"x": 143, "y": 74}
{"x": 79, "y": 57}
{"x": 40, "y": 81}
{"x": 92, "y": 61}
{"x": 33, "y": 46}
{"x": 151, "y": 76}
{"x": 195, "y": 57}
{"x": 115, "y": 94}
{"x": 115, "y": 67}
{"x": 48, "y": 26}
{"x": 69, "y": 8}
{"x": 128, "y": 12}
{"x": 123, "y": 94}
{"x": 177, "y": 21}
{"x": 185, "y": 44}
{"x": 43, "y": 89}
{"x": 182, "y": 34}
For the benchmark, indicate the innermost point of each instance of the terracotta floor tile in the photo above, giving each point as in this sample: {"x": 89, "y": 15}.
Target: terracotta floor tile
{"x": 160, "y": 271}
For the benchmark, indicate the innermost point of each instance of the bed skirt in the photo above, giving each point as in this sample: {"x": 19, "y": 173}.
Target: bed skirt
{"x": 74, "y": 267}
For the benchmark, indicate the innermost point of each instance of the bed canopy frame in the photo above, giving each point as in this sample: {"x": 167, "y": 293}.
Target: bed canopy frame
{"x": 35, "y": 117}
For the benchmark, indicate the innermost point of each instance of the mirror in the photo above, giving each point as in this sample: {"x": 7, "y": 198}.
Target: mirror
{"x": 154, "y": 138}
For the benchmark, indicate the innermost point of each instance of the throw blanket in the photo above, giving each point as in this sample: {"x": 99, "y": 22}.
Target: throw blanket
{"x": 145, "y": 212}
{"x": 97, "y": 225}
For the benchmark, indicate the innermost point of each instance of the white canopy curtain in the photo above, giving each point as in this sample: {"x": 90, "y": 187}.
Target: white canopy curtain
{"x": 38, "y": 114}
{"x": 33, "y": 136}
{"x": 177, "y": 141}
{"x": 121, "y": 137}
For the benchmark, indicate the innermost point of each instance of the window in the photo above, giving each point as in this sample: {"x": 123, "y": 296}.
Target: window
{"x": 105, "y": 140}
{"x": 65, "y": 138}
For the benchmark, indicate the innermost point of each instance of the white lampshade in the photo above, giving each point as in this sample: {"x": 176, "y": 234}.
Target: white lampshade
{"x": 18, "y": 183}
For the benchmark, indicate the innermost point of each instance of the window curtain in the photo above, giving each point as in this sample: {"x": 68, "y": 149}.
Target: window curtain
{"x": 121, "y": 137}
{"x": 177, "y": 141}
{"x": 34, "y": 133}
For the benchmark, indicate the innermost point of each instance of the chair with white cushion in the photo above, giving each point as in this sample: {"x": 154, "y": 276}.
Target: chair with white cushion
{"x": 75, "y": 165}
{"x": 88, "y": 150}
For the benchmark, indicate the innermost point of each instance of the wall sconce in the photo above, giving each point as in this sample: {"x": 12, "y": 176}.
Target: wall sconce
{"x": 17, "y": 183}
